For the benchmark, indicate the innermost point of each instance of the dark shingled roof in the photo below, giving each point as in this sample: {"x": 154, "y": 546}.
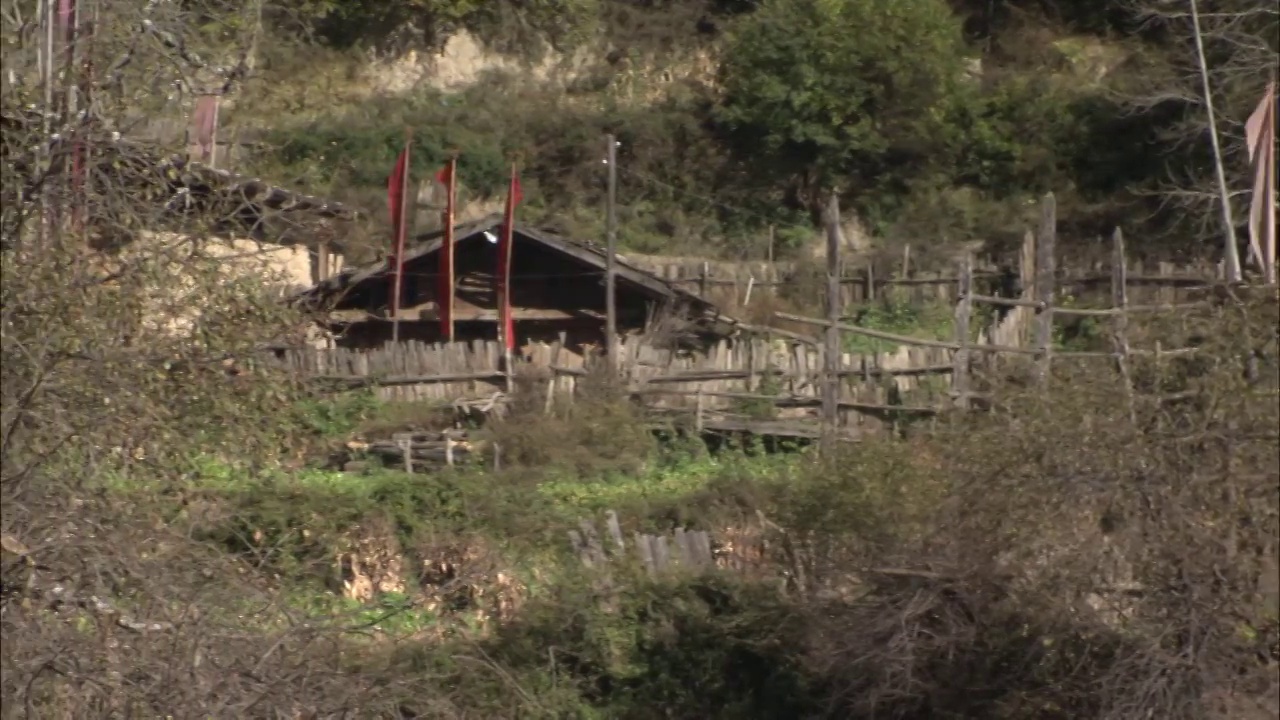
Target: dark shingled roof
{"x": 589, "y": 253}
{"x": 174, "y": 180}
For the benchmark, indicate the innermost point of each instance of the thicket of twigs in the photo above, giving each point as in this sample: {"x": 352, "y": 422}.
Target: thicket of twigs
{"x": 121, "y": 366}
{"x": 1110, "y": 551}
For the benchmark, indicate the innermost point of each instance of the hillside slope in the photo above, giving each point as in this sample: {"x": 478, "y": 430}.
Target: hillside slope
{"x": 937, "y": 120}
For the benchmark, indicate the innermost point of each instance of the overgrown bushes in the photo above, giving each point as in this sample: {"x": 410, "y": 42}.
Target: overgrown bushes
{"x": 1068, "y": 556}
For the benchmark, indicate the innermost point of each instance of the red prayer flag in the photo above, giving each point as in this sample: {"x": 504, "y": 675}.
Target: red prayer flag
{"x": 506, "y": 321}
{"x": 444, "y": 290}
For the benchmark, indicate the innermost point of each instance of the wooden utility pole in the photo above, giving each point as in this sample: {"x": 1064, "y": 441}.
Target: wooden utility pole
{"x": 610, "y": 278}
{"x": 831, "y": 359}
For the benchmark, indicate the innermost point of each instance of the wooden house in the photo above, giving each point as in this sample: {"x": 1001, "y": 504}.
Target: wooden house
{"x": 558, "y": 290}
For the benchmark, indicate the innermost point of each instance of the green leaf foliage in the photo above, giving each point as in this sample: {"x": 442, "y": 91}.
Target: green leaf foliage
{"x": 841, "y": 91}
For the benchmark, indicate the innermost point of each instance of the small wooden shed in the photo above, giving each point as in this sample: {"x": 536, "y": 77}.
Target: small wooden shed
{"x": 557, "y": 289}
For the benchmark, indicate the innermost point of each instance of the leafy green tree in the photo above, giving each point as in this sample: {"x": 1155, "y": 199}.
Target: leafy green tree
{"x": 841, "y": 92}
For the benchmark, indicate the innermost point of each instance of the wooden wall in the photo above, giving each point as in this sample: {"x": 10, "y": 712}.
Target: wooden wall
{"x": 726, "y": 383}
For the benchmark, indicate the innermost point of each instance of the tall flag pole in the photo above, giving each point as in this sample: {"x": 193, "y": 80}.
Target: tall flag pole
{"x": 86, "y": 30}
{"x": 66, "y": 34}
{"x": 506, "y": 323}
{"x": 1260, "y": 136}
{"x": 397, "y": 187}
{"x": 70, "y": 23}
{"x": 447, "y": 177}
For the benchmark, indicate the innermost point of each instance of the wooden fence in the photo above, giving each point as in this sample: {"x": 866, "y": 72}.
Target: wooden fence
{"x": 1037, "y": 308}
{"x": 1152, "y": 282}
{"x": 780, "y": 385}
{"x": 749, "y": 383}
{"x": 681, "y": 549}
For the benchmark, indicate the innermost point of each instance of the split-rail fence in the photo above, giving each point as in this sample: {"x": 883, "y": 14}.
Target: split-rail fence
{"x": 790, "y": 384}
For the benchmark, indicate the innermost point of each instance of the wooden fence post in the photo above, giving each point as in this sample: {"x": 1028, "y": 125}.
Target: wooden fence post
{"x": 615, "y": 530}
{"x": 831, "y": 355}
{"x": 506, "y": 362}
{"x": 703, "y": 279}
{"x": 1120, "y": 303}
{"x": 1026, "y": 288}
{"x": 964, "y": 310}
{"x": 406, "y": 450}
{"x": 644, "y": 549}
{"x": 1045, "y": 279}
{"x": 549, "y": 402}
{"x": 697, "y": 419}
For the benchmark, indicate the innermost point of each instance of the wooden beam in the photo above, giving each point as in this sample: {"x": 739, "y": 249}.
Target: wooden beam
{"x": 792, "y": 401}
{"x": 710, "y": 375}
{"x": 878, "y": 334}
{"x": 1005, "y": 302}
{"x": 428, "y": 313}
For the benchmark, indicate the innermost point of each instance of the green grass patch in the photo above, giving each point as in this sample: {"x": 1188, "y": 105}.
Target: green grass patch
{"x": 293, "y": 521}
{"x": 657, "y": 489}
{"x": 338, "y": 415}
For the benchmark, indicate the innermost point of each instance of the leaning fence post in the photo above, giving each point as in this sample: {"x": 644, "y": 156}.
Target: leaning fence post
{"x": 964, "y": 310}
{"x": 831, "y": 352}
{"x": 406, "y": 451}
{"x": 1045, "y": 278}
{"x": 1120, "y": 304}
